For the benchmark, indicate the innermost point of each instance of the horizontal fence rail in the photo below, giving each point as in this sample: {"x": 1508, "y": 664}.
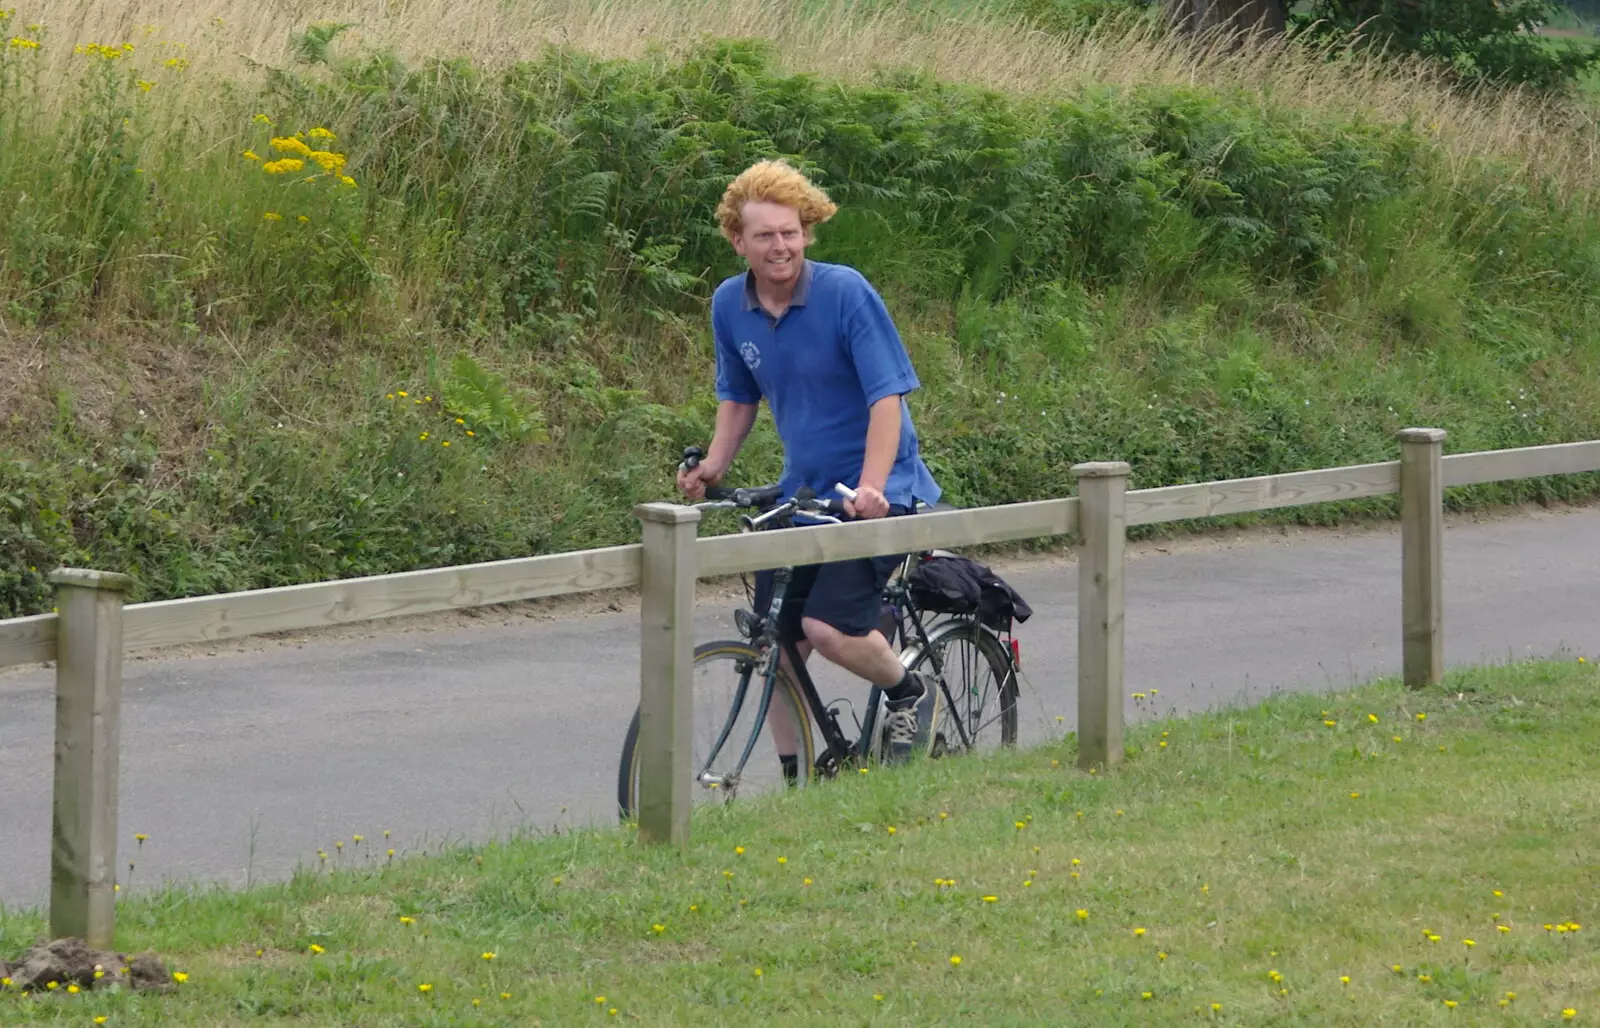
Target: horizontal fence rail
{"x": 94, "y": 629}
{"x": 1526, "y": 462}
{"x": 32, "y": 640}
{"x": 756, "y": 551}
{"x": 1267, "y": 492}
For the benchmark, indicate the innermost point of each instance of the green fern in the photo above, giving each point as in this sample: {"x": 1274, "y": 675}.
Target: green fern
{"x": 488, "y": 405}
{"x": 311, "y": 46}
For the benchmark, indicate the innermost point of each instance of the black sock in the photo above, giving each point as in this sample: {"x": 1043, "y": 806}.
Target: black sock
{"x": 791, "y": 766}
{"x": 904, "y": 693}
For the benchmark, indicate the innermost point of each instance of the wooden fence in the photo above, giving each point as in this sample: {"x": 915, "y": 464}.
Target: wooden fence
{"x": 93, "y": 630}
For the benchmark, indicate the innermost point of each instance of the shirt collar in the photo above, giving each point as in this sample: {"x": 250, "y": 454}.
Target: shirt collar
{"x": 802, "y": 289}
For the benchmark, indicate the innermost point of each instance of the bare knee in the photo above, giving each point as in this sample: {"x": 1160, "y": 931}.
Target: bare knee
{"x": 823, "y": 637}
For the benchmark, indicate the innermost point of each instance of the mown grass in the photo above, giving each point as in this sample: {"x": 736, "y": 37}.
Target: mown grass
{"x": 1316, "y": 860}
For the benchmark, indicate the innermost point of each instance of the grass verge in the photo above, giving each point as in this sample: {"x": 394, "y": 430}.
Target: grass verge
{"x": 1318, "y": 859}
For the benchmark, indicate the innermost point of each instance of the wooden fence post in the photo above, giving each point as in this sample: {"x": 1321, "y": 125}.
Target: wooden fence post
{"x": 1422, "y": 554}
{"x": 1103, "y": 527}
{"x": 83, "y": 839}
{"x": 666, "y": 670}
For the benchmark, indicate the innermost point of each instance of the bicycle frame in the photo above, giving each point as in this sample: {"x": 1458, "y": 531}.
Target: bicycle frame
{"x": 773, "y": 641}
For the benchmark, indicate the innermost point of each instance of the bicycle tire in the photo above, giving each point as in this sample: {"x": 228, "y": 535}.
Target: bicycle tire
{"x": 980, "y": 722}
{"x": 706, "y": 655}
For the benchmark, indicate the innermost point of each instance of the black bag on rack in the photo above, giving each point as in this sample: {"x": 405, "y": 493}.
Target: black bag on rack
{"x": 952, "y": 584}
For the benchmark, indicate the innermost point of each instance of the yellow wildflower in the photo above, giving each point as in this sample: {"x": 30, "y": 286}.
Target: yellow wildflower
{"x": 176, "y": 63}
{"x": 346, "y": 180}
{"x": 262, "y": 119}
{"x": 283, "y": 166}
{"x": 289, "y": 144}
{"x": 425, "y": 988}
{"x": 321, "y": 133}
{"x": 302, "y": 219}
{"x": 329, "y": 162}
{"x": 180, "y": 977}
{"x": 18, "y": 43}
{"x": 146, "y": 86}
{"x": 272, "y": 216}
{"x": 251, "y": 155}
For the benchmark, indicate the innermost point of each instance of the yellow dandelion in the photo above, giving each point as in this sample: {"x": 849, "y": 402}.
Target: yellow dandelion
{"x": 1450, "y": 1003}
{"x": 317, "y": 950}
{"x": 180, "y": 977}
{"x": 1469, "y": 943}
{"x": 891, "y": 829}
{"x": 302, "y": 219}
{"x": 944, "y": 815}
{"x": 488, "y": 955}
{"x": 738, "y": 851}
{"x": 446, "y": 444}
{"x": 806, "y": 882}
{"x": 1502, "y": 928}
{"x": 1424, "y": 978}
{"x": 1344, "y": 979}
{"x": 1422, "y": 717}
{"x": 1330, "y": 723}
{"x": 145, "y": 86}
{"x": 1373, "y": 718}
{"x": 100, "y": 1019}
{"x": 1216, "y": 1008}
{"x": 1569, "y": 1013}
{"x": 758, "y": 972}
{"x": 955, "y": 960}
{"x": 1083, "y": 915}
{"x": 1146, "y": 995}
{"x": 271, "y": 216}
{"x": 73, "y": 989}
{"x": 1355, "y": 795}
{"x": 505, "y": 995}
{"x": 407, "y": 920}
{"x": 425, "y": 988}
{"x": 176, "y": 63}
{"x": 991, "y": 899}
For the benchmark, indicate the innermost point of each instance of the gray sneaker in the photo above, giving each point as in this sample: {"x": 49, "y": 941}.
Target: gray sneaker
{"x": 900, "y": 725}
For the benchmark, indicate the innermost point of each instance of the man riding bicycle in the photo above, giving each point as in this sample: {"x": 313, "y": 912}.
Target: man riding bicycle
{"x": 817, "y": 343}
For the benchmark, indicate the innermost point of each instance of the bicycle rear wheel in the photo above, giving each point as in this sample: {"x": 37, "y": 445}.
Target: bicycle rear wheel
{"x": 982, "y": 683}
{"x": 727, "y": 700}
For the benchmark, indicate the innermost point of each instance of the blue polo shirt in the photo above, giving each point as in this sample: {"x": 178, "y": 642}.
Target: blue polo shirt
{"x": 821, "y": 366}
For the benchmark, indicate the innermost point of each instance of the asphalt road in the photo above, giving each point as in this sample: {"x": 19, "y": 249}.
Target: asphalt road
{"x": 245, "y": 763}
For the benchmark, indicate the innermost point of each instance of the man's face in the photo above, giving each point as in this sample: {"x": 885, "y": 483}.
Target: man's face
{"x": 772, "y": 241}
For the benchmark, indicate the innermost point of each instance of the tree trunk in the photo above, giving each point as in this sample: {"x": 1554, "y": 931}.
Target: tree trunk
{"x": 1227, "y": 16}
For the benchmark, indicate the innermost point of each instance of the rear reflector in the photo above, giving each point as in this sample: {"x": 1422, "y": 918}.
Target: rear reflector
{"x": 1016, "y": 654}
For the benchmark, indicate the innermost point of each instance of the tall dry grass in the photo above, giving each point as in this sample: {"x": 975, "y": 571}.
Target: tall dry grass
{"x": 838, "y": 38}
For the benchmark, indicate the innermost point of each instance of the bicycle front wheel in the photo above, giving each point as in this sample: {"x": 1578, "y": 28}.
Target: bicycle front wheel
{"x": 980, "y": 711}
{"x": 727, "y": 702}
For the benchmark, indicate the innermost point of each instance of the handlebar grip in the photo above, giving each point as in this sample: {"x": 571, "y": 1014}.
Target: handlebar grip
{"x": 717, "y": 492}
{"x": 692, "y": 455}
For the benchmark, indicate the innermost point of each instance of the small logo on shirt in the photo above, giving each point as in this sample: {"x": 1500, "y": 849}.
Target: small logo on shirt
{"x": 751, "y": 355}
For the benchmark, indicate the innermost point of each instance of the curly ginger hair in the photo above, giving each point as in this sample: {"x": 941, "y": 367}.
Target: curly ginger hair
{"x": 773, "y": 182}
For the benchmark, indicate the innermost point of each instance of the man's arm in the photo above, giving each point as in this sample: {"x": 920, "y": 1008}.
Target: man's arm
{"x": 883, "y": 443}
{"x": 734, "y": 421}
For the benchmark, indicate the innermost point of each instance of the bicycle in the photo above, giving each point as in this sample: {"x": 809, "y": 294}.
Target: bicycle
{"x": 978, "y": 709}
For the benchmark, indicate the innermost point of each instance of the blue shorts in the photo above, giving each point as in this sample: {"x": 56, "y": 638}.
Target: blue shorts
{"x": 846, "y": 594}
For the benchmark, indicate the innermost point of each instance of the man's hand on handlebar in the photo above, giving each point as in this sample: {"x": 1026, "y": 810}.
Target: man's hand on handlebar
{"x": 695, "y": 473}
{"x": 867, "y": 503}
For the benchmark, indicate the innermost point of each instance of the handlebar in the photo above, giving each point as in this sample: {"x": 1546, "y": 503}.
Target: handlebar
{"x": 765, "y": 498}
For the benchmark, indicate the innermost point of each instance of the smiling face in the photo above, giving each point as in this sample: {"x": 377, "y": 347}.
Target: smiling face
{"x": 773, "y": 241}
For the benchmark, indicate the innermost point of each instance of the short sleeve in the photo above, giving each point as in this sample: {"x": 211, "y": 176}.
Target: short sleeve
{"x": 880, "y": 357}
{"x": 734, "y": 380}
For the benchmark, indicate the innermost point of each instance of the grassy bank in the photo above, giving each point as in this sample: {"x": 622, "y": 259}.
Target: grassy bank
{"x": 1313, "y": 860}
{"x": 478, "y": 330}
